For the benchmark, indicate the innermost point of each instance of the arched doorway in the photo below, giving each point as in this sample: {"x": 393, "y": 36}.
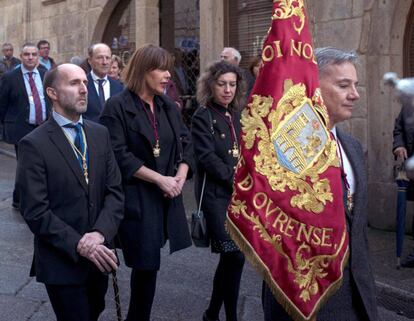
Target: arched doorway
{"x": 408, "y": 65}
{"x": 119, "y": 32}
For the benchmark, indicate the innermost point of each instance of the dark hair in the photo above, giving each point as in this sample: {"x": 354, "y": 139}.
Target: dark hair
{"x": 210, "y": 76}
{"x": 42, "y": 42}
{"x": 50, "y": 80}
{"x": 253, "y": 63}
{"x": 145, "y": 59}
{"x": 29, "y": 44}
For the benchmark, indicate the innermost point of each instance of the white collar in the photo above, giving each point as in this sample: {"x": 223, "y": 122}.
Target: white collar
{"x": 96, "y": 78}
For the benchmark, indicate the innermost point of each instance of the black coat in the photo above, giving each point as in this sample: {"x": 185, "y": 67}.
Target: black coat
{"x": 214, "y": 157}
{"x": 59, "y": 206}
{"x": 15, "y": 106}
{"x": 148, "y": 214}
{"x": 403, "y": 135}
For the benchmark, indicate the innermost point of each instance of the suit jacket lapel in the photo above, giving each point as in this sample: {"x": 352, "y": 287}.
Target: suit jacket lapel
{"x": 354, "y": 159}
{"x": 92, "y": 153}
{"x": 92, "y": 93}
{"x": 21, "y": 84}
{"x": 59, "y": 139}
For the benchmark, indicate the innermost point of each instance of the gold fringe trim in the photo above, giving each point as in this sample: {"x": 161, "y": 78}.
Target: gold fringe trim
{"x": 283, "y": 299}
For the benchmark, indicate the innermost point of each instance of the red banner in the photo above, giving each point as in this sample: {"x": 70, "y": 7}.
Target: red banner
{"x": 287, "y": 212}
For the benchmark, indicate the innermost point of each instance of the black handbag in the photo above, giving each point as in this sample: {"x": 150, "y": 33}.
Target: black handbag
{"x": 198, "y": 223}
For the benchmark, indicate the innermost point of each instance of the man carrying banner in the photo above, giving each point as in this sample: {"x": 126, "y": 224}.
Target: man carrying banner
{"x": 355, "y": 300}
{"x": 298, "y": 209}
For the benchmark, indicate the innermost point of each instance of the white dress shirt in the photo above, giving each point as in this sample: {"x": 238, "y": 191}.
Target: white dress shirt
{"x": 106, "y": 85}
{"x": 350, "y": 177}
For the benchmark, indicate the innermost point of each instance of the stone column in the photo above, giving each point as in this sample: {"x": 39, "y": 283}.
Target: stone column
{"x": 147, "y": 22}
{"x": 211, "y": 30}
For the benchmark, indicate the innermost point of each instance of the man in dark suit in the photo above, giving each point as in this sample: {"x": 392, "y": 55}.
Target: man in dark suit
{"x": 22, "y": 103}
{"x": 71, "y": 199}
{"x": 100, "y": 86}
{"x": 8, "y": 62}
{"x": 356, "y": 299}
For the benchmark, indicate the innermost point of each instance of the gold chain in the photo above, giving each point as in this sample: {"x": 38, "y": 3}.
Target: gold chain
{"x": 82, "y": 156}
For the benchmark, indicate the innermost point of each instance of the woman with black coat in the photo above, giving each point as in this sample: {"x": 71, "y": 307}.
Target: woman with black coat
{"x": 216, "y": 131}
{"x": 154, "y": 153}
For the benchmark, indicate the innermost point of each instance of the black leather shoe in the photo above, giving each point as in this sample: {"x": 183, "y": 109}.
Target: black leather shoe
{"x": 408, "y": 262}
{"x": 205, "y": 318}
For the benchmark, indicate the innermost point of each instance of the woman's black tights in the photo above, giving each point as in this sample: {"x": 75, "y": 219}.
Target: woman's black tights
{"x": 226, "y": 286}
{"x": 142, "y": 294}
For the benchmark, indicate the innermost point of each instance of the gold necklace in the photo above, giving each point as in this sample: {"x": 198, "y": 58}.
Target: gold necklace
{"x": 81, "y": 155}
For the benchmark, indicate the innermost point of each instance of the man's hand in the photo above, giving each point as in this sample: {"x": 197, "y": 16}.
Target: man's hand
{"x": 104, "y": 258}
{"x": 88, "y": 242}
{"x": 401, "y": 152}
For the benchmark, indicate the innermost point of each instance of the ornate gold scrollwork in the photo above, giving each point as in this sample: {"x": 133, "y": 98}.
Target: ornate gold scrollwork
{"x": 313, "y": 192}
{"x": 287, "y": 10}
{"x": 306, "y": 270}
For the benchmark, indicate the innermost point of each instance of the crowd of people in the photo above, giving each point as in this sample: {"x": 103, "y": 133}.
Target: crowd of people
{"x": 103, "y": 157}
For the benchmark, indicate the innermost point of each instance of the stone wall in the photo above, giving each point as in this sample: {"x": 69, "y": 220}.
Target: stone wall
{"x": 375, "y": 29}
{"x": 68, "y": 25}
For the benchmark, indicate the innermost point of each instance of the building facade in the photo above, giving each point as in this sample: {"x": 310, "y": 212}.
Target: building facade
{"x": 381, "y": 31}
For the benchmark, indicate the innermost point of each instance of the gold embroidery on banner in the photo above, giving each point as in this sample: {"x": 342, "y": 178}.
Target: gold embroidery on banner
{"x": 313, "y": 192}
{"x": 287, "y": 10}
{"x": 246, "y": 184}
{"x": 306, "y": 271}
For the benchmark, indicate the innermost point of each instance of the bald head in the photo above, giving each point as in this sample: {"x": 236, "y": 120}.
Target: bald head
{"x": 65, "y": 86}
{"x": 100, "y": 59}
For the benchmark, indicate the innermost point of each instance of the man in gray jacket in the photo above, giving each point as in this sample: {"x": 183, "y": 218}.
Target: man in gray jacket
{"x": 355, "y": 300}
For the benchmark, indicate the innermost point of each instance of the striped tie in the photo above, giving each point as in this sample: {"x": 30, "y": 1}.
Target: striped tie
{"x": 36, "y": 100}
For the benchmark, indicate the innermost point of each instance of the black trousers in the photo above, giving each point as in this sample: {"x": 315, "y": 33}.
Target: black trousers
{"x": 143, "y": 283}
{"x": 79, "y": 302}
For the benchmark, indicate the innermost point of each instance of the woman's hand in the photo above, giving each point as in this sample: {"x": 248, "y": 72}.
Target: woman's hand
{"x": 169, "y": 186}
{"x": 181, "y": 175}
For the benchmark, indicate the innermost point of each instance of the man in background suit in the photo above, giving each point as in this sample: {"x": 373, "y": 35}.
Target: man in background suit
{"x": 22, "y": 103}
{"x": 71, "y": 199}
{"x": 355, "y": 300}
{"x": 8, "y": 62}
{"x": 100, "y": 86}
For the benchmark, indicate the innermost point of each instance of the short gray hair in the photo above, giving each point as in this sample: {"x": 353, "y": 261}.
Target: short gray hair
{"x": 327, "y": 56}
{"x": 235, "y": 53}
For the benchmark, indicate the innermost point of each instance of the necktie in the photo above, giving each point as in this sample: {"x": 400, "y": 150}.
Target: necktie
{"x": 79, "y": 142}
{"x": 36, "y": 100}
{"x": 101, "y": 91}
